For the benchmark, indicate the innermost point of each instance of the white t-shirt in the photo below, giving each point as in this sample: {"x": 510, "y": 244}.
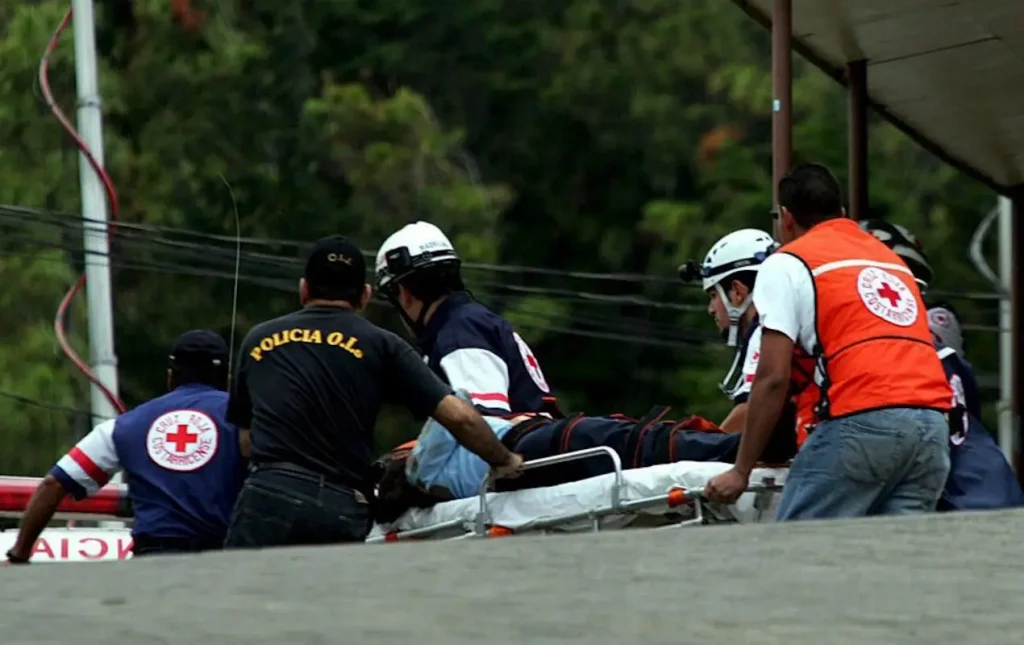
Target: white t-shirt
{"x": 784, "y": 299}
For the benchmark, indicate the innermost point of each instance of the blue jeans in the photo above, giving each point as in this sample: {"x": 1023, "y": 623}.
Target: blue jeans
{"x": 282, "y": 508}
{"x": 882, "y": 462}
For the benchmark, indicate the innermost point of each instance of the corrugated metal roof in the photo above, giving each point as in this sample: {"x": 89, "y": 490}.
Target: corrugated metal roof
{"x": 949, "y": 73}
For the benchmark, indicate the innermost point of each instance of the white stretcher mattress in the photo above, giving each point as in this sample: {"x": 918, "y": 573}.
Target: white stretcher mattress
{"x": 517, "y": 509}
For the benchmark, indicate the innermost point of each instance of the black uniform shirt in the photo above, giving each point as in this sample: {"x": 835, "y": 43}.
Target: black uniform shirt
{"x": 310, "y": 385}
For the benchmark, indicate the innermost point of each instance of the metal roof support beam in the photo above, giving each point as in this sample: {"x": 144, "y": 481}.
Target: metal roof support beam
{"x": 782, "y": 96}
{"x": 857, "y": 138}
{"x": 1016, "y": 196}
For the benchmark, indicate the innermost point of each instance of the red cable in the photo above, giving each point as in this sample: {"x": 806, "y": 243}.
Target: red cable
{"x": 65, "y": 303}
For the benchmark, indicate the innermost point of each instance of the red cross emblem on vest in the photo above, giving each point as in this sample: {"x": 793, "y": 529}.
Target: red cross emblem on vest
{"x": 889, "y": 294}
{"x": 182, "y": 438}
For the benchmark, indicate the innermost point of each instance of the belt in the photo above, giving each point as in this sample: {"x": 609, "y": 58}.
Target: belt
{"x": 302, "y": 472}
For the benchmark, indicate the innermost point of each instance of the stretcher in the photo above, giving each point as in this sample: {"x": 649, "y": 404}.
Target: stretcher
{"x": 657, "y": 496}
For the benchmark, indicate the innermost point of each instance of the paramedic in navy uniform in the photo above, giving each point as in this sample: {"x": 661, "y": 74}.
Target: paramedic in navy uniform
{"x": 181, "y": 457}
{"x": 307, "y": 393}
{"x": 466, "y": 344}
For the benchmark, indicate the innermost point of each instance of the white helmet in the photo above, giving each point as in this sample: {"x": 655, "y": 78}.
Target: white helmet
{"x": 738, "y": 251}
{"x": 410, "y": 249}
{"x": 742, "y": 250}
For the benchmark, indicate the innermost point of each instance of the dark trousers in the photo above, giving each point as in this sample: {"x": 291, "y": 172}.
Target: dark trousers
{"x": 146, "y": 546}
{"x": 288, "y": 507}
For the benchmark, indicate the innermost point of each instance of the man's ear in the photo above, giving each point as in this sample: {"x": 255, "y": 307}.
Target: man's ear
{"x": 367, "y": 296}
{"x": 303, "y": 292}
{"x": 738, "y": 292}
{"x": 170, "y": 379}
{"x": 404, "y": 297}
{"x": 787, "y": 223}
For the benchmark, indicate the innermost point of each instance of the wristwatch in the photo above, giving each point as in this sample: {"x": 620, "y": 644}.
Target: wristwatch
{"x": 13, "y": 559}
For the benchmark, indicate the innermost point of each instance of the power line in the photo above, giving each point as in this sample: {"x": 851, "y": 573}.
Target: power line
{"x": 39, "y": 403}
{"x": 204, "y": 260}
{"x": 135, "y": 230}
{"x": 160, "y": 252}
{"x": 76, "y": 222}
{"x": 614, "y": 327}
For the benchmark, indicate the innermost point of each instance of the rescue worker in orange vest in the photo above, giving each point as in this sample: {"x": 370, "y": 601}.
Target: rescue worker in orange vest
{"x": 880, "y": 442}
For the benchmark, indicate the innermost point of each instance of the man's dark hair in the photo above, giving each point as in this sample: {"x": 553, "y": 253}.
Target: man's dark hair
{"x": 434, "y": 282}
{"x": 199, "y": 356}
{"x": 812, "y": 194}
{"x": 188, "y": 372}
{"x": 327, "y": 292}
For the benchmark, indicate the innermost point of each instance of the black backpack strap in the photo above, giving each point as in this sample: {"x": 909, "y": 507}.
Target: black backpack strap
{"x": 550, "y": 405}
{"x": 662, "y": 452}
{"x": 521, "y": 429}
{"x": 561, "y": 439}
{"x": 634, "y": 441}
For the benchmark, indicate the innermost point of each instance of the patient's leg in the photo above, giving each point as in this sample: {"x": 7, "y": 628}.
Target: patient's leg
{"x": 569, "y": 435}
{"x": 667, "y": 443}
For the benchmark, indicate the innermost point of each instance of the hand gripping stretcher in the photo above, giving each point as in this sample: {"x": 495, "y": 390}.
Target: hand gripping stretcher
{"x": 657, "y": 496}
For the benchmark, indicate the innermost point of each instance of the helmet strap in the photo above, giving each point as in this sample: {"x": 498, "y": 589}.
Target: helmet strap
{"x": 735, "y": 314}
{"x": 419, "y": 325}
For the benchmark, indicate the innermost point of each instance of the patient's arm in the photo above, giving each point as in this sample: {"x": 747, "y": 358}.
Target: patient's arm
{"x": 471, "y": 431}
{"x": 736, "y": 420}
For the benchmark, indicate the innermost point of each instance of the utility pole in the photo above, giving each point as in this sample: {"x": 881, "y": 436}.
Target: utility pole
{"x": 94, "y": 215}
{"x": 1007, "y": 421}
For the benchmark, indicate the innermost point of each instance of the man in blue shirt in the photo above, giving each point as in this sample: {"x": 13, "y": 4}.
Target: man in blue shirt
{"x": 182, "y": 458}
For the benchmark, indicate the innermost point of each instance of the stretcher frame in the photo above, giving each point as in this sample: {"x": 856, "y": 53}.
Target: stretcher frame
{"x": 482, "y": 525}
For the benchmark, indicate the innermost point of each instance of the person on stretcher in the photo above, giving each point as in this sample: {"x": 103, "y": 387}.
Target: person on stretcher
{"x": 727, "y": 276}
{"x": 438, "y": 469}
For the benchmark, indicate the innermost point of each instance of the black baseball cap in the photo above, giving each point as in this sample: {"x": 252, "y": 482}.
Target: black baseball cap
{"x": 335, "y": 268}
{"x": 198, "y": 348}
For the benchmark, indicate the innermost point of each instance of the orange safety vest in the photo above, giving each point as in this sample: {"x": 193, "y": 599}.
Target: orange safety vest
{"x": 874, "y": 348}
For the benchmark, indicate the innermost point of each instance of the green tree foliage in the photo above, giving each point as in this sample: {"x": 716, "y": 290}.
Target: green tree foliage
{"x": 585, "y": 136}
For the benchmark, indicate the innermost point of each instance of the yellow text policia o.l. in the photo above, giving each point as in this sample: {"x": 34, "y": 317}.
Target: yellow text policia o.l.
{"x": 308, "y": 336}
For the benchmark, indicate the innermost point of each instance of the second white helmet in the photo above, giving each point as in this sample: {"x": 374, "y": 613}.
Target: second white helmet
{"x": 741, "y": 250}
{"x": 412, "y": 248}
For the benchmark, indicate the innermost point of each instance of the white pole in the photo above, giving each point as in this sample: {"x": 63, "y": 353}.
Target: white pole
{"x": 1007, "y": 434}
{"x": 94, "y": 215}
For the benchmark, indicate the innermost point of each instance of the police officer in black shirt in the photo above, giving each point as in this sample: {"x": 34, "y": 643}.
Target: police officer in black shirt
{"x": 305, "y": 397}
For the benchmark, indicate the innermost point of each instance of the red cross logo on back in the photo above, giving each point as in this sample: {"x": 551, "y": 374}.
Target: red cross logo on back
{"x": 889, "y": 294}
{"x": 182, "y": 438}
{"x": 532, "y": 365}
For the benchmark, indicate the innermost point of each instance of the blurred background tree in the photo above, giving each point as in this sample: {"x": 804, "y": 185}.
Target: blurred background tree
{"x": 586, "y": 136}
